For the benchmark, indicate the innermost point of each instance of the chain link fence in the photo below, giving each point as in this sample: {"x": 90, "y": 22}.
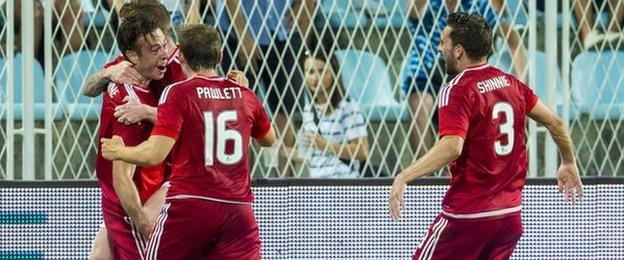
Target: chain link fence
{"x": 388, "y": 69}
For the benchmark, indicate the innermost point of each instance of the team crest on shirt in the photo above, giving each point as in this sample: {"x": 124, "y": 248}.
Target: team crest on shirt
{"x": 112, "y": 90}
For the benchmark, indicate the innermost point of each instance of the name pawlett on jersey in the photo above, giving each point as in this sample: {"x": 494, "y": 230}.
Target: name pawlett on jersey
{"x": 493, "y": 84}
{"x": 219, "y": 93}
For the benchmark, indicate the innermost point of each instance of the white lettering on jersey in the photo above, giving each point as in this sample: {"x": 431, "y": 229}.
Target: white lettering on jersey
{"x": 219, "y": 93}
{"x": 112, "y": 90}
{"x": 493, "y": 84}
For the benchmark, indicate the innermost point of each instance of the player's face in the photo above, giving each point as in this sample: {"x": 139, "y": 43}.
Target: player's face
{"x": 318, "y": 75}
{"x": 152, "y": 60}
{"x": 447, "y": 49}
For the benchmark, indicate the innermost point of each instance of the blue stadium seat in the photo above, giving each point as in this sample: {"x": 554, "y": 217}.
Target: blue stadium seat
{"x": 39, "y": 88}
{"x": 71, "y": 72}
{"x": 598, "y": 81}
{"x": 367, "y": 80}
{"x": 391, "y": 13}
{"x": 343, "y": 14}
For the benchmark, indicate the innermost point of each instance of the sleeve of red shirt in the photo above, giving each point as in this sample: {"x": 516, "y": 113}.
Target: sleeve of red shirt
{"x": 169, "y": 117}
{"x": 454, "y": 114}
{"x": 262, "y": 124}
{"x": 530, "y": 97}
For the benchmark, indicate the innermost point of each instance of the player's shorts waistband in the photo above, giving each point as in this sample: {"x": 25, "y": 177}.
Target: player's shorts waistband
{"x": 207, "y": 198}
{"x": 485, "y": 214}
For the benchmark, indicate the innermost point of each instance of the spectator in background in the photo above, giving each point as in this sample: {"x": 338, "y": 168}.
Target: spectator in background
{"x": 332, "y": 139}
{"x": 67, "y": 26}
{"x": 585, "y": 15}
{"x": 264, "y": 39}
{"x": 425, "y": 64}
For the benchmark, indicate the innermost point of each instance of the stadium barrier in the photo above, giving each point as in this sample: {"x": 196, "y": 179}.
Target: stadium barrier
{"x": 326, "y": 219}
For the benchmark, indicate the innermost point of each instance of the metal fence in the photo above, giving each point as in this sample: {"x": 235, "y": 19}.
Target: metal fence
{"x": 569, "y": 51}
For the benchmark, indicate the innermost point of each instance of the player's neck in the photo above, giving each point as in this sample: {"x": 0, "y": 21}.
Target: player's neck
{"x": 205, "y": 73}
{"x": 144, "y": 83}
{"x": 465, "y": 64}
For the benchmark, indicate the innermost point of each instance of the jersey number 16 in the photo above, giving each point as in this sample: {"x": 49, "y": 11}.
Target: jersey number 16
{"x": 223, "y": 135}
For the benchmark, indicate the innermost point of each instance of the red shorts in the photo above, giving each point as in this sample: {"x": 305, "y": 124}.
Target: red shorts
{"x": 125, "y": 241}
{"x": 204, "y": 229}
{"x": 449, "y": 238}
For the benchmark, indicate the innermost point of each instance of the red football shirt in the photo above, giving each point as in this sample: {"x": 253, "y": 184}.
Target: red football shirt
{"x": 172, "y": 74}
{"x": 212, "y": 120}
{"x": 147, "y": 179}
{"x": 487, "y": 107}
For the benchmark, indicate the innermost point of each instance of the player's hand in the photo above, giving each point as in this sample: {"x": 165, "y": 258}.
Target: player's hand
{"x": 238, "y": 77}
{"x": 395, "y": 199}
{"x": 111, "y": 147}
{"x": 123, "y": 73}
{"x": 145, "y": 226}
{"x": 130, "y": 112}
{"x": 569, "y": 181}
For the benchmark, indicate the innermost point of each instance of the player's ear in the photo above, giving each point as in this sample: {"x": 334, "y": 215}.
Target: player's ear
{"x": 458, "y": 51}
{"x": 132, "y": 56}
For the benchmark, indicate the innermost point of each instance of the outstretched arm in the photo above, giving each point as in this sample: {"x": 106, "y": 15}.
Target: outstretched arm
{"x": 150, "y": 152}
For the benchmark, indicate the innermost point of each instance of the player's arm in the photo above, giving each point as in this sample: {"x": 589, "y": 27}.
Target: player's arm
{"x": 150, "y": 152}
{"x": 568, "y": 178}
{"x": 268, "y": 139}
{"x": 442, "y": 153}
{"x": 118, "y": 73}
{"x": 129, "y": 196}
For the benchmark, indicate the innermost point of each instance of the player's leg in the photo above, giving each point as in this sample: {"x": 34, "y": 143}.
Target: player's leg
{"x": 510, "y": 231}
{"x": 452, "y": 239}
{"x": 155, "y": 202}
{"x": 124, "y": 239}
{"x": 100, "y": 249}
{"x": 182, "y": 228}
{"x": 240, "y": 238}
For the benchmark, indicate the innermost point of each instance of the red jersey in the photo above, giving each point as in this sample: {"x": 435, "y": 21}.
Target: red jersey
{"x": 212, "y": 120}
{"x": 172, "y": 75}
{"x": 147, "y": 179}
{"x": 487, "y": 107}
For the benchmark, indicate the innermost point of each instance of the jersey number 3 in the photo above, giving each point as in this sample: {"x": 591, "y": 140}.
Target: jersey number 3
{"x": 505, "y": 128}
{"x": 223, "y": 135}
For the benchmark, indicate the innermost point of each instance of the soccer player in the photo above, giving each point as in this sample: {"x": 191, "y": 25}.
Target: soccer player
{"x": 128, "y": 110}
{"x": 206, "y": 122}
{"x": 125, "y": 187}
{"x": 482, "y": 113}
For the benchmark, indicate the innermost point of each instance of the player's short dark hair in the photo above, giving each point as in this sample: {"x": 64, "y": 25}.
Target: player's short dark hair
{"x": 131, "y": 30}
{"x": 147, "y": 9}
{"x": 201, "y": 46}
{"x": 472, "y": 32}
